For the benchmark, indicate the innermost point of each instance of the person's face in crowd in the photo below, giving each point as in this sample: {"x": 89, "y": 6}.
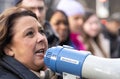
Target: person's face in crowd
{"x": 92, "y": 26}
{"x": 113, "y": 26}
{"x": 29, "y": 43}
{"x": 60, "y": 25}
{"x": 38, "y": 7}
{"x": 75, "y": 21}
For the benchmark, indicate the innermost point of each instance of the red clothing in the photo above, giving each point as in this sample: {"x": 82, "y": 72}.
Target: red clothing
{"x": 77, "y": 43}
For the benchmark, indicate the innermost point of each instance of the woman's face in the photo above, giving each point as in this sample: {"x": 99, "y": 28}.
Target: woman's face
{"x": 92, "y": 26}
{"x": 59, "y": 25}
{"x": 29, "y": 43}
{"x": 75, "y": 21}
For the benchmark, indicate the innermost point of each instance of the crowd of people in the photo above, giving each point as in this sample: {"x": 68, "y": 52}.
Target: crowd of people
{"x": 29, "y": 28}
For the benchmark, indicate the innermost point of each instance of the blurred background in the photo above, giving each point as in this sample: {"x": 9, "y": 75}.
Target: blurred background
{"x": 108, "y": 6}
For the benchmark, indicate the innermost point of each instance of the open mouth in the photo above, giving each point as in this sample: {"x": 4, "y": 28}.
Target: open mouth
{"x": 40, "y": 51}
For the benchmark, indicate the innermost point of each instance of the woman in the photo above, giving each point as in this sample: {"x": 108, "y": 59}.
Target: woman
{"x": 92, "y": 37}
{"x": 59, "y": 22}
{"x": 22, "y": 45}
{"x": 75, "y": 13}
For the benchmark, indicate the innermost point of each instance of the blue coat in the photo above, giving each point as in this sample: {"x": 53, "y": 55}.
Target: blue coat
{"x": 12, "y": 69}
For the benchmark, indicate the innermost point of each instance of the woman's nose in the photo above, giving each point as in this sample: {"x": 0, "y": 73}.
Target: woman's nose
{"x": 41, "y": 37}
{"x": 63, "y": 26}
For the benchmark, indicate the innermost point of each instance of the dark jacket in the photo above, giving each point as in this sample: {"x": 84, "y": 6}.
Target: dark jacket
{"x": 114, "y": 43}
{"x": 12, "y": 69}
{"x": 52, "y": 38}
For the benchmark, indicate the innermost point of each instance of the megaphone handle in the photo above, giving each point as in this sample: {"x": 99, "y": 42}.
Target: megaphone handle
{"x": 69, "y": 76}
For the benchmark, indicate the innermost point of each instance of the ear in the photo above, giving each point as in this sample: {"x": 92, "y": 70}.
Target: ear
{"x": 8, "y": 51}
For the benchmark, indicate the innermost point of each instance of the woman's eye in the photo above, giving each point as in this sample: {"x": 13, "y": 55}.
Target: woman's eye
{"x": 30, "y": 34}
{"x": 42, "y": 32}
{"x": 57, "y": 23}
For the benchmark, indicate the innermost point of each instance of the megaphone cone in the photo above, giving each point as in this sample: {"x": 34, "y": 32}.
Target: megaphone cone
{"x": 81, "y": 63}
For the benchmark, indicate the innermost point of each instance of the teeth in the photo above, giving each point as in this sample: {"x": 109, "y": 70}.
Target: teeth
{"x": 40, "y": 51}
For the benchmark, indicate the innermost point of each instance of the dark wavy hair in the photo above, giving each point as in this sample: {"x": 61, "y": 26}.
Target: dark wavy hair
{"x": 49, "y": 15}
{"x": 7, "y": 22}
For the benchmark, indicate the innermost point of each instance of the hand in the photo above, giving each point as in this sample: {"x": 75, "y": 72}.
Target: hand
{"x": 47, "y": 74}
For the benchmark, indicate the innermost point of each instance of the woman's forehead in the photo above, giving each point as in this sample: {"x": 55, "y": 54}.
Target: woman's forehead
{"x": 26, "y": 22}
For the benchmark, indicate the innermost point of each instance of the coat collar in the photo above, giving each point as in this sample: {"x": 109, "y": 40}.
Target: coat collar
{"x": 17, "y": 68}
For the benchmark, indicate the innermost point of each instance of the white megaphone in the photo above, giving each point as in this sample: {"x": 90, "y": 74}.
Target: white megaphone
{"x": 64, "y": 59}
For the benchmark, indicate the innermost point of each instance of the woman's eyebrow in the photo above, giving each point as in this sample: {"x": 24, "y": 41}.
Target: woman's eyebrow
{"x": 30, "y": 28}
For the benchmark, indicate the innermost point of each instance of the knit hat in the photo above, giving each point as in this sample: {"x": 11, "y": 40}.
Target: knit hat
{"x": 115, "y": 17}
{"x": 70, "y": 7}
